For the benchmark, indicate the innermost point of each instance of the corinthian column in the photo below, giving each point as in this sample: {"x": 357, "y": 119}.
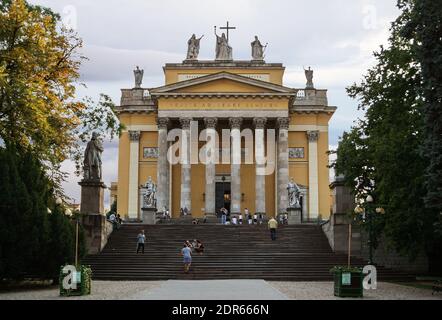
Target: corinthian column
{"x": 162, "y": 166}
{"x": 210, "y": 165}
{"x": 313, "y": 137}
{"x": 185, "y": 164}
{"x": 134, "y": 148}
{"x": 260, "y": 179}
{"x": 283, "y": 164}
{"x": 235, "y": 165}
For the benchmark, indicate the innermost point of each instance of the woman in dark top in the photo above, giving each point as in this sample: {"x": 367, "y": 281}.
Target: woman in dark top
{"x": 199, "y": 247}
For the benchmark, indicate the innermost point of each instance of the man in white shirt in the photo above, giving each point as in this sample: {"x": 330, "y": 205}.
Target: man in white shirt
{"x": 234, "y": 220}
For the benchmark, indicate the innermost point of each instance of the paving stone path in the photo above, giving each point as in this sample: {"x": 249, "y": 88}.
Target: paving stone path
{"x": 221, "y": 289}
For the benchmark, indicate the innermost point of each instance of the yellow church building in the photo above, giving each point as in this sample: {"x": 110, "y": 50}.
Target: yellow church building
{"x": 230, "y": 100}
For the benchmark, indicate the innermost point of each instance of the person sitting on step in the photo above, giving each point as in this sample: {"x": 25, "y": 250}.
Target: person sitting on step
{"x": 199, "y": 247}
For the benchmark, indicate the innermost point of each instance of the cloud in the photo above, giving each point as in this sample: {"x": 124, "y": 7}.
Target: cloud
{"x": 336, "y": 38}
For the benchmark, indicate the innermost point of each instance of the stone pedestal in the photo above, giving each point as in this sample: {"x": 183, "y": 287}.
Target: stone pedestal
{"x": 96, "y": 231}
{"x": 92, "y": 196}
{"x": 149, "y": 215}
{"x": 294, "y": 216}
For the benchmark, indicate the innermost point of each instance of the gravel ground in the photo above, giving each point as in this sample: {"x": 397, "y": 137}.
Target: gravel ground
{"x": 119, "y": 290}
{"x": 101, "y": 290}
{"x": 324, "y": 291}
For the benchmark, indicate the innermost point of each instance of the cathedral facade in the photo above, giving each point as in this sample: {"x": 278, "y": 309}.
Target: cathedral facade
{"x": 224, "y": 134}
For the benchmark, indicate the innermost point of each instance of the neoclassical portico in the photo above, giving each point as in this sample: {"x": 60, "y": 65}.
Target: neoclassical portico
{"x": 247, "y": 99}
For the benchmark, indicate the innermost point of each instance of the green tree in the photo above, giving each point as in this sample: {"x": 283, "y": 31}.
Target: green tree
{"x": 25, "y": 235}
{"x": 39, "y": 72}
{"x": 62, "y": 243}
{"x": 425, "y": 27}
{"x": 383, "y": 149}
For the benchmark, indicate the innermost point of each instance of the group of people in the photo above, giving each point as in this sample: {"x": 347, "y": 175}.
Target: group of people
{"x": 197, "y": 246}
{"x": 227, "y": 218}
{"x": 116, "y": 220}
{"x": 166, "y": 214}
{"x": 284, "y": 218}
{"x": 184, "y": 211}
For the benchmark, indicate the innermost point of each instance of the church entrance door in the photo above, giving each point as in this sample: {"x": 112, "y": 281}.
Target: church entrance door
{"x": 222, "y": 193}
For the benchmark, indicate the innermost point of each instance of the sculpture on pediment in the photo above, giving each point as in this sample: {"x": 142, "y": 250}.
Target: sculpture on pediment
{"x": 223, "y": 50}
{"x": 193, "y": 47}
{"x": 258, "y": 49}
{"x": 138, "y": 77}
{"x": 309, "y": 76}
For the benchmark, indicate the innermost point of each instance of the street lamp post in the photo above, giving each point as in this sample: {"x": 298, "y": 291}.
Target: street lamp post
{"x": 369, "y": 201}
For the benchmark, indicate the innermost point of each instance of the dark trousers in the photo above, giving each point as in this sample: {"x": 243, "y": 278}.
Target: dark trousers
{"x": 140, "y": 245}
{"x": 273, "y": 234}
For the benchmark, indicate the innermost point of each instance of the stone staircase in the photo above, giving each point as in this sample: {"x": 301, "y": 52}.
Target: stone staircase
{"x": 301, "y": 253}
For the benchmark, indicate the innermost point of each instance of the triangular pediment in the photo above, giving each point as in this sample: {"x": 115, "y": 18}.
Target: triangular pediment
{"x": 223, "y": 83}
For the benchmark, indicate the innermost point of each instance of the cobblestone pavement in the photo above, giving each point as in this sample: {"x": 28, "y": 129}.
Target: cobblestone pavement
{"x": 101, "y": 290}
{"x": 117, "y": 290}
{"x": 324, "y": 291}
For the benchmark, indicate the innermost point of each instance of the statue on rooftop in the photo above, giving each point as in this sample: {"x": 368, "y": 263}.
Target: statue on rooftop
{"x": 138, "y": 77}
{"x": 223, "y": 50}
{"x": 193, "y": 47}
{"x": 309, "y": 76}
{"x": 258, "y": 49}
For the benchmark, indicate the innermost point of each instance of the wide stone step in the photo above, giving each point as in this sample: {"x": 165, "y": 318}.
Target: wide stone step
{"x": 301, "y": 253}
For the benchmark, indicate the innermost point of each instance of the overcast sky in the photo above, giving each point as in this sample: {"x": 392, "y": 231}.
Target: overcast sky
{"x": 335, "y": 37}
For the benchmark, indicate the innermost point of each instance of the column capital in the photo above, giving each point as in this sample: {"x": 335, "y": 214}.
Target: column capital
{"x": 313, "y": 136}
{"x": 259, "y": 123}
{"x": 235, "y": 123}
{"x": 210, "y": 122}
{"x": 283, "y": 123}
{"x": 185, "y": 123}
{"x": 134, "y": 135}
{"x": 162, "y": 123}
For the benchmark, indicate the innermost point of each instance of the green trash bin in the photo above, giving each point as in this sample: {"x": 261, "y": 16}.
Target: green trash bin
{"x": 348, "y": 282}
{"x": 83, "y": 284}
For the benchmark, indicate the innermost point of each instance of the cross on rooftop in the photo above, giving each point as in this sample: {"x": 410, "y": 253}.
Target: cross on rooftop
{"x": 227, "y": 28}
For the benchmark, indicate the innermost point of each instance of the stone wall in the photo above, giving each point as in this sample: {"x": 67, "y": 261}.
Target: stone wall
{"x": 336, "y": 230}
{"x": 388, "y": 257}
{"x": 97, "y": 231}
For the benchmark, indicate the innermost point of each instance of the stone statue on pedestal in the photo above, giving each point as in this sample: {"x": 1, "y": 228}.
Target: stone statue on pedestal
{"x": 138, "y": 77}
{"x": 92, "y": 186}
{"x": 223, "y": 50}
{"x": 150, "y": 194}
{"x": 92, "y": 159}
{"x": 309, "y": 76}
{"x": 257, "y": 49}
{"x": 294, "y": 194}
{"x": 193, "y": 47}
